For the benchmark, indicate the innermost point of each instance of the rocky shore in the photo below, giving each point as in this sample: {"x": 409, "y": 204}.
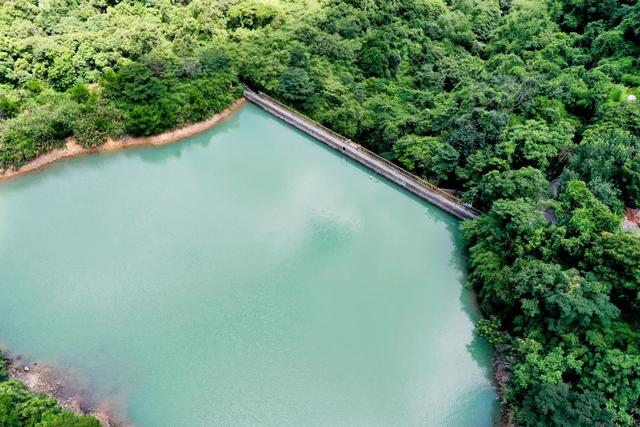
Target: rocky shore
{"x": 71, "y": 395}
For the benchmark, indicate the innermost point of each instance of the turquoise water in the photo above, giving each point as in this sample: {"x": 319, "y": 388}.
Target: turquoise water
{"x": 245, "y": 276}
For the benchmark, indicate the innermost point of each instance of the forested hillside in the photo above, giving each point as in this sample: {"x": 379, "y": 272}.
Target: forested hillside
{"x": 524, "y": 107}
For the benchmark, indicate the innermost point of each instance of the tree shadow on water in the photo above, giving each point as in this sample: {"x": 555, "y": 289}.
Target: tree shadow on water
{"x": 174, "y": 150}
{"x": 480, "y": 350}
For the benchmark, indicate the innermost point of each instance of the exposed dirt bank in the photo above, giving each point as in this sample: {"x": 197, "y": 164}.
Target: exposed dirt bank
{"x": 71, "y": 392}
{"x": 72, "y": 148}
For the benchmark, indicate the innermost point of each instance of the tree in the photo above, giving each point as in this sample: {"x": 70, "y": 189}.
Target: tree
{"x": 296, "y": 86}
{"x": 615, "y": 259}
{"x": 582, "y": 217}
{"x": 561, "y": 405}
{"x": 135, "y": 84}
{"x": 251, "y": 15}
{"x": 512, "y": 228}
{"x": 429, "y": 157}
{"x": 376, "y": 58}
{"x": 490, "y": 97}
{"x": 630, "y": 181}
{"x": 525, "y": 183}
{"x": 534, "y": 143}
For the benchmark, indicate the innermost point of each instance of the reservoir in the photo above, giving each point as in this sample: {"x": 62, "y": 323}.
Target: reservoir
{"x": 245, "y": 276}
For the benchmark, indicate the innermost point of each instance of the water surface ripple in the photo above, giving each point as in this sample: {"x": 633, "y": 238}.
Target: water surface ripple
{"x": 246, "y": 276}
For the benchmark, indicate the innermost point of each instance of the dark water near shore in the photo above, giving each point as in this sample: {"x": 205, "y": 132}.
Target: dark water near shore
{"x": 245, "y": 276}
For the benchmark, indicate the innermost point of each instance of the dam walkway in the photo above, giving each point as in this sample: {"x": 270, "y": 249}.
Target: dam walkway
{"x": 414, "y": 184}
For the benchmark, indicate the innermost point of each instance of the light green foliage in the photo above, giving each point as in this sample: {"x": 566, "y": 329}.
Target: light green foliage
{"x": 583, "y": 217}
{"x": 429, "y": 157}
{"x": 126, "y": 66}
{"x": 36, "y": 131}
{"x": 251, "y": 15}
{"x": 527, "y": 183}
{"x": 535, "y": 143}
{"x": 606, "y": 160}
{"x": 21, "y": 408}
{"x": 494, "y": 98}
{"x": 512, "y": 228}
{"x": 538, "y": 365}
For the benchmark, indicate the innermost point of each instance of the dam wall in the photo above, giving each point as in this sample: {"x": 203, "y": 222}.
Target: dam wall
{"x": 358, "y": 153}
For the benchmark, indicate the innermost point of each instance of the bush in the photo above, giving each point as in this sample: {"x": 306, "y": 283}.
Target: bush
{"x": 97, "y": 122}
{"x": 427, "y": 156}
{"x": 35, "y": 132}
{"x": 559, "y": 405}
{"x": 3, "y": 368}
{"x": 251, "y": 15}
{"x": 19, "y": 407}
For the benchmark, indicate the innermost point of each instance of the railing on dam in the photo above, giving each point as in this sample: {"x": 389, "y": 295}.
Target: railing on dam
{"x": 395, "y": 173}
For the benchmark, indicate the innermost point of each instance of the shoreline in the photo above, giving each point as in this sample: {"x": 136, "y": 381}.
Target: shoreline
{"x": 53, "y": 382}
{"x": 73, "y": 395}
{"x": 73, "y": 149}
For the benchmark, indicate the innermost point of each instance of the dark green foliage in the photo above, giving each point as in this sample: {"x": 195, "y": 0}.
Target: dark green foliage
{"x": 630, "y": 181}
{"x": 97, "y": 122}
{"x": 295, "y": 86}
{"x": 135, "y": 84}
{"x": 3, "y": 369}
{"x": 559, "y": 405}
{"x": 376, "y": 59}
{"x": 522, "y": 105}
{"x": 614, "y": 259}
{"x": 9, "y": 107}
{"x": 214, "y": 61}
{"x": 526, "y": 183}
{"x": 429, "y": 157}
{"x": 159, "y": 96}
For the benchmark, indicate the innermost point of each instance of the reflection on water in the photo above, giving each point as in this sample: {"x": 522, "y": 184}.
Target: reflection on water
{"x": 248, "y": 275}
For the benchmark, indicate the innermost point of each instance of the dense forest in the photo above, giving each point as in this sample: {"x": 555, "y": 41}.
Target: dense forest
{"x": 525, "y": 108}
{"x": 19, "y": 407}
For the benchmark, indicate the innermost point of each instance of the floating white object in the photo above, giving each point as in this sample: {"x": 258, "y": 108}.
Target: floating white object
{"x": 26, "y": 369}
{"x": 631, "y": 98}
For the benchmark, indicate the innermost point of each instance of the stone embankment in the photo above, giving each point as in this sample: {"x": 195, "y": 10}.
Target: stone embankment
{"x": 383, "y": 167}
